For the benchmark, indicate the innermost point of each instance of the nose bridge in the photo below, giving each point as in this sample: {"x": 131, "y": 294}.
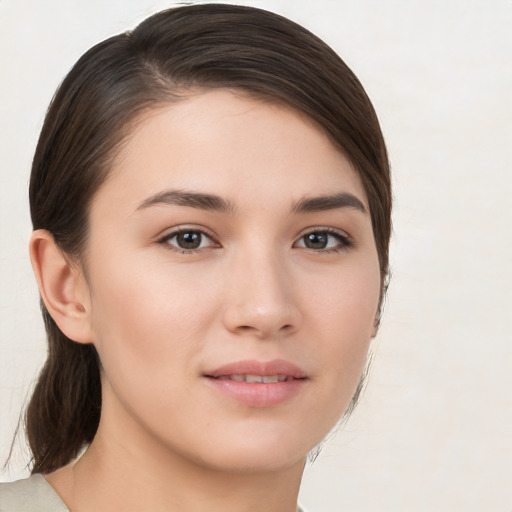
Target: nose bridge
{"x": 261, "y": 300}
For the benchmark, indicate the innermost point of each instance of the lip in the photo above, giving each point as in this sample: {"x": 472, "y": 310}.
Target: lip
{"x": 261, "y": 394}
{"x": 264, "y": 368}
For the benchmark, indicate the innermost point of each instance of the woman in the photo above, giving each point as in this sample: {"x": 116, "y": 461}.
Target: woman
{"x": 211, "y": 203}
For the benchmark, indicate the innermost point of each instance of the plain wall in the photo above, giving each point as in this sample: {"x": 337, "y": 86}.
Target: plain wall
{"x": 433, "y": 430}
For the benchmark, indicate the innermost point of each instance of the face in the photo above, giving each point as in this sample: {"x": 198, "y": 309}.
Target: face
{"x": 232, "y": 283}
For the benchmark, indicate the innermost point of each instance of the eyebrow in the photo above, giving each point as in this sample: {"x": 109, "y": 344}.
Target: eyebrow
{"x": 328, "y": 202}
{"x": 199, "y": 200}
{"x": 216, "y": 203}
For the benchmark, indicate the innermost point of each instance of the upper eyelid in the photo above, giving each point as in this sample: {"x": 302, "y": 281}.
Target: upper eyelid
{"x": 170, "y": 232}
{"x": 330, "y": 230}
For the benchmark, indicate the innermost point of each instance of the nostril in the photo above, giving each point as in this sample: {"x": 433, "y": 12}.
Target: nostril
{"x": 250, "y": 318}
{"x": 285, "y": 327}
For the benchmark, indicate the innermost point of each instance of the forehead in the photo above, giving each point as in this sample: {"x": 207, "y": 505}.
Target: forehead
{"x": 227, "y": 143}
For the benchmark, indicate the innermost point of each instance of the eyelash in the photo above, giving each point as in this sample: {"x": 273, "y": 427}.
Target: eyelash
{"x": 344, "y": 241}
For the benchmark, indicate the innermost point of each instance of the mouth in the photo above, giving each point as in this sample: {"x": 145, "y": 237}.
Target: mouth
{"x": 254, "y": 379}
{"x": 277, "y": 370}
{"x": 258, "y": 384}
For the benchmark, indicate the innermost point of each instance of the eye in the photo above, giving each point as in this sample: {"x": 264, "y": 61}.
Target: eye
{"x": 188, "y": 240}
{"x": 324, "y": 240}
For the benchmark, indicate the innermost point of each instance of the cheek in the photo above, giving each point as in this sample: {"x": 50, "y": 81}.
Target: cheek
{"x": 347, "y": 303}
{"x": 148, "y": 319}
{"x": 345, "y": 320}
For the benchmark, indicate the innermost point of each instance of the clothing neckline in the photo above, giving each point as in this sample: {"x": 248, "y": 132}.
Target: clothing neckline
{"x": 36, "y": 486}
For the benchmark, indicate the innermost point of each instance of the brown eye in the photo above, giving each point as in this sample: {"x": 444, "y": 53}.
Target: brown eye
{"x": 316, "y": 240}
{"x": 188, "y": 240}
{"x": 322, "y": 240}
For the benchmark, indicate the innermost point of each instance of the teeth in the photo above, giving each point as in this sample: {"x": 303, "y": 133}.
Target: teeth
{"x": 256, "y": 378}
{"x": 253, "y": 378}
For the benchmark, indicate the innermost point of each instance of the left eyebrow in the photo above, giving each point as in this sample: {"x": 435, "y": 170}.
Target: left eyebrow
{"x": 329, "y": 202}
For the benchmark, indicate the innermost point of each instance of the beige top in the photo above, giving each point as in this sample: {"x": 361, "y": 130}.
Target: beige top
{"x": 34, "y": 494}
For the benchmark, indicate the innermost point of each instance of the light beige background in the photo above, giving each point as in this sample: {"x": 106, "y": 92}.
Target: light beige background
{"x": 433, "y": 431}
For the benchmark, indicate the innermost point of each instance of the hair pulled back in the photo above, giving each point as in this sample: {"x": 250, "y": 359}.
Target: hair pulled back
{"x": 196, "y": 47}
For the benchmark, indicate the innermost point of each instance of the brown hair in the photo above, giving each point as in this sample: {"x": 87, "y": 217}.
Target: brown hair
{"x": 200, "y": 47}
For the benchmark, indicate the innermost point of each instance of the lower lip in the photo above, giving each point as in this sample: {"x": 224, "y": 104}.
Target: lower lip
{"x": 258, "y": 394}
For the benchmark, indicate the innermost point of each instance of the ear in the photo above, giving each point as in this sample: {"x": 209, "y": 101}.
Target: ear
{"x": 62, "y": 286}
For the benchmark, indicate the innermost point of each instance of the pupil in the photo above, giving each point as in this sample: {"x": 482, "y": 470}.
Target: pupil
{"x": 189, "y": 240}
{"x": 316, "y": 241}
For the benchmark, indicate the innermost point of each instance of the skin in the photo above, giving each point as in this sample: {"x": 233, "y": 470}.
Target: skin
{"x": 161, "y": 316}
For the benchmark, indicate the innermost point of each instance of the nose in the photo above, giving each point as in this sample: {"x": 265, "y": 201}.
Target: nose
{"x": 261, "y": 300}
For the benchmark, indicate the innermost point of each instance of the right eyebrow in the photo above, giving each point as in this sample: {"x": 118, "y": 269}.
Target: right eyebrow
{"x": 199, "y": 200}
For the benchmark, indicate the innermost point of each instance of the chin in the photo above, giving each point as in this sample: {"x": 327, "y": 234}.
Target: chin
{"x": 260, "y": 451}
{"x": 254, "y": 461}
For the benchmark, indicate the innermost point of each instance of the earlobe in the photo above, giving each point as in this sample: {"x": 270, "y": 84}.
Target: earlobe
{"x": 62, "y": 287}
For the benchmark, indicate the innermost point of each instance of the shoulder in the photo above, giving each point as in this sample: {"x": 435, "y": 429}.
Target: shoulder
{"x": 32, "y": 494}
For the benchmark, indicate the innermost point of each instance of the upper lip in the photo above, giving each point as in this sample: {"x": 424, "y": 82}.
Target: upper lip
{"x": 263, "y": 368}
